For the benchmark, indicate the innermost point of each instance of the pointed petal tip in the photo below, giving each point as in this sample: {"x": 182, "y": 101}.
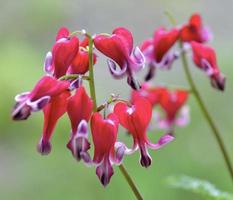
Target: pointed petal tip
{"x": 44, "y": 147}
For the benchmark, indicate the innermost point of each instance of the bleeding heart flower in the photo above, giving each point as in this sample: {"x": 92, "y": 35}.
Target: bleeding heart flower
{"x": 205, "y": 58}
{"x": 79, "y": 109}
{"x": 119, "y": 47}
{"x": 152, "y": 94}
{"x": 136, "y": 119}
{"x": 80, "y": 64}
{"x": 104, "y": 134}
{"x": 45, "y": 89}
{"x": 173, "y": 103}
{"x": 158, "y": 51}
{"x": 195, "y": 31}
{"x": 52, "y": 112}
{"x": 63, "y": 52}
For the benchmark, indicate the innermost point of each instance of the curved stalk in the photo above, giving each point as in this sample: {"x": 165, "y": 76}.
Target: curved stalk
{"x": 206, "y": 113}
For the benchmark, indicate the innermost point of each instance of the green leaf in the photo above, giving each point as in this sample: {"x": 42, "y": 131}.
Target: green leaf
{"x": 202, "y": 187}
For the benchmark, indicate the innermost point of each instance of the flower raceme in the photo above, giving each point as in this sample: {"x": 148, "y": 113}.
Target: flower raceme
{"x": 158, "y": 52}
{"x": 205, "y": 58}
{"x": 61, "y": 91}
{"x": 119, "y": 48}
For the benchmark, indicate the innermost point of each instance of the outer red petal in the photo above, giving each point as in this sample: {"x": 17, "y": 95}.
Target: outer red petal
{"x": 80, "y": 64}
{"x": 63, "y": 32}
{"x": 79, "y": 107}
{"x": 48, "y": 86}
{"x": 52, "y": 112}
{"x": 126, "y": 37}
{"x": 63, "y": 54}
{"x": 104, "y": 133}
{"x": 163, "y": 41}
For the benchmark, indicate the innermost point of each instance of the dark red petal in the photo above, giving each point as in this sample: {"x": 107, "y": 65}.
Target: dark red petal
{"x": 52, "y": 112}
{"x": 63, "y": 54}
{"x": 104, "y": 134}
{"x": 126, "y": 37}
{"x": 79, "y": 107}
{"x": 48, "y": 86}
{"x": 112, "y": 47}
{"x": 63, "y": 32}
{"x": 163, "y": 41}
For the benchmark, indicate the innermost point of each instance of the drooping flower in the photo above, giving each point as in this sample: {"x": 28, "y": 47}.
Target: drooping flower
{"x": 157, "y": 50}
{"x": 195, "y": 31}
{"x": 80, "y": 63}
{"x": 104, "y": 134}
{"x": 173, "y": 104}
{"x": 63, "y": 52}
{"x": 205, "y": 58}
{"x": 52, "y": 112}
{"x": 79, "y": 109}
{"x": 45, "y": 89}
{"x": 119, "y": 48}
{"x": 136, "y": 119}
{"x": 152, "y": 94}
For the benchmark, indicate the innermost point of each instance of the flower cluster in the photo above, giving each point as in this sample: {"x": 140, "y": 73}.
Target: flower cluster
{"x": 61, "y": 91}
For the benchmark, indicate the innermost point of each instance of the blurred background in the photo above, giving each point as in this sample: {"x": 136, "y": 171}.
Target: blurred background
{"x": 28, "y": 29}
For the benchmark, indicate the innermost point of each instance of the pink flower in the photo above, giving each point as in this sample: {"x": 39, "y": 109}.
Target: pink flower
{"x": 158, "y": 50}
{"x": 195, "y": 31}
{"x": 45, "y": 89}
{"x": 205, "y": 58}
{"x": 79, "y": 109}
{"x": 63, "y": 52}
{"x": 173, "y": 103}
{"x": 136, "y": 119}
{"x": 119, "y": 48}
{"x": 104, "y": 134}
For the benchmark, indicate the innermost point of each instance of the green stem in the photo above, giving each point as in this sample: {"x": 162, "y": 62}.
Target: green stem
{"x": 91, "y": 72}
{"x": 93, "y": 95}
{"x": 205, "y": 112}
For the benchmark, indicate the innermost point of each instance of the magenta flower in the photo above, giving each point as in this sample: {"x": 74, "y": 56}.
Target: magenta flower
{"x": 158, "y": 50}
{"x": 43, "y": 92}
{"x": 119, "y": 48}
{"x": 79, "y": 109}
{"x": 205, "y": 58}
{"x": 104, "y": 134}
{"x": 136, "y": 119}
{"x": 63, "y": 52}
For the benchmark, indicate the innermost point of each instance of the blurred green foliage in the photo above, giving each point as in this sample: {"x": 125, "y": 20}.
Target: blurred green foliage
{"x": 27, "y": 32}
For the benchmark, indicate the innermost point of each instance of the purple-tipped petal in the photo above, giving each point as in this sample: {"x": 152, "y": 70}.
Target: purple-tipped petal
{"x": 133, "y": 82}
{"x": 116, "y": 74}
{"x": 76, "y": 83}
{"x": 145, "y": 159}
{"x": 167, "y": 61}
{"x": 44, "y": 147}
{"x": 48, "y": 63}
{"x": 151, "y": 72}
{"x": 218, "y": 82}
{"x": 21, "y": 111}
{"x": 104, "y": 171}
{"x": 208, "y": 69}
{"x": 38, "y": 104}
{"x": 165, "y": 139}
{"x": 21, "y": 97}
{"x": 83, "y": 128}
{"x": 139, "y": 58}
